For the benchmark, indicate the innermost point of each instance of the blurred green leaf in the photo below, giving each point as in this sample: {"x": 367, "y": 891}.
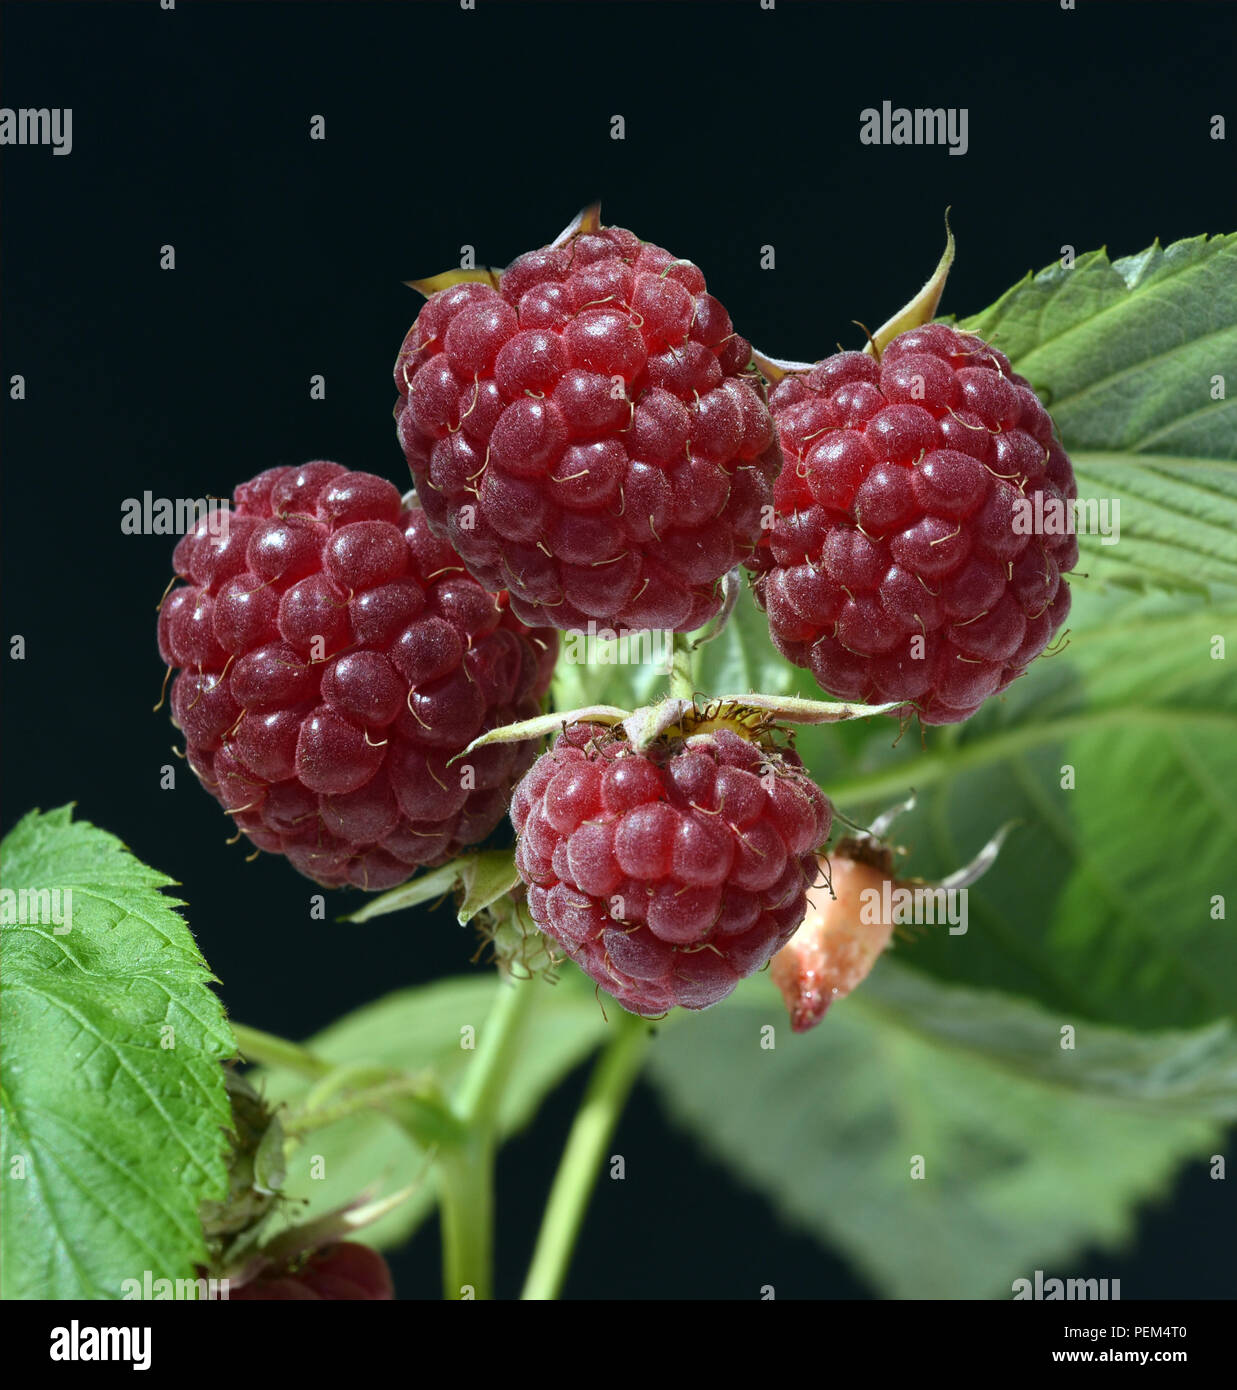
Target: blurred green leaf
{"x": 742, "y": 658}
{"x": 1168, "y": 1073}
{"x": 629, "y": 676}
{"x": 1028, "y": 1153}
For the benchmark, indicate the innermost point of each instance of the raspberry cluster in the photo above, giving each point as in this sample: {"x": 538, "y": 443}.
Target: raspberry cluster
{"x": 335, "y": 656}
{"x": 590, "y": 435}
{"x": 902, "y": 564}
{"x": 668, "y": 874}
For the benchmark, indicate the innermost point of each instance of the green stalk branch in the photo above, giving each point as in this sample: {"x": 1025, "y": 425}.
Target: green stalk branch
{"x": 406, "y": 1099}
{"x": 608, "y": 1089}
{"x": 466, "y": 1208}
{"x": 466, "y": 1173}
{"x": 682, "y": 678}
{"x": 266, "y": 1050}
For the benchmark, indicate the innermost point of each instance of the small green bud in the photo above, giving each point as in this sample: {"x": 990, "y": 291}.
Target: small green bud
{"x": 514, "y": 940}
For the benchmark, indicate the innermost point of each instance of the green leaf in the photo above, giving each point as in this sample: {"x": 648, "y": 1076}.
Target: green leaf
{"x": 1168, "y": 1073}
{"x": 1024, "y": 1163}
{"x": 113, "y": 1102}
{"x": 1102, "y": 904}
{"x": 1124, "y": 351}
{"x": 1176, "y": 521}
{"x": 420, "y": 1031}
{"x": 1129, "y": 356}
{"x": 488, "y": 875}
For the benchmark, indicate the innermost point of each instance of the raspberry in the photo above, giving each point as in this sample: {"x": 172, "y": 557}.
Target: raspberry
{"x": 344, "y": 1271}
{"x": 590, "y": 435}
{"x": 668, "y": 874}
{"x": 335, "y": 656}
{"x": 895, "y": 569}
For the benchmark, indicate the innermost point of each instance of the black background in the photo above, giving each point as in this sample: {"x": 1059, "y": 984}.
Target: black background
{"x": 491, "y": 128}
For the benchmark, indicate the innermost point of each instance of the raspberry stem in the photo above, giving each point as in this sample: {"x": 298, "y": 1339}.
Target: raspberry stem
{"x": 466, "y": 1205}
{"x": 682, "y": 680}
{"x": 407, "y": 1099}
{"x": 265, "y": 1049}
{"x": 466, "y": 1173}
{"x": 608, "y": 1089}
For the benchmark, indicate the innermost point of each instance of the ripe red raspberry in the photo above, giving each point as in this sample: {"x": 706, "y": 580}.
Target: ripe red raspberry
{"x": 346, "y": 1271}
{"x": 899, "y": 567}
{"x": 668, "y": 875}
{"x": 591, "y": 435}
{"x": 335, "y": 657}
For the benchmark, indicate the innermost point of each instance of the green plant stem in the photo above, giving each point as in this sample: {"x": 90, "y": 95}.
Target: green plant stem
{"x": 682, "y": 679}
{"x": 466, "y": 1173}
{"x": 351, "y": 1076}
{"x": 407, "y": 1099}
{"x": 466, "y": 1208}
{"x": 608, "y": 1089}
{"x": 269, "y": 1051}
